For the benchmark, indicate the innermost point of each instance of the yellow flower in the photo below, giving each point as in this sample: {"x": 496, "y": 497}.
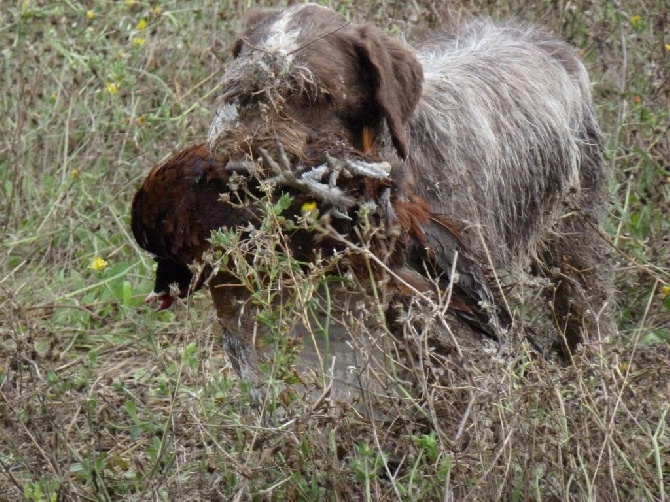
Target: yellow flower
{"x": 139, "y": 41}
{"x": 90, "y": 14}
{"x": 142, "y": 24}
{"x": 130, "y": 2}
{"x": 157, "y": 10}
{"x": 308, "y": 207}
{"x": 74, "y": 174}
{"x": 667, "y": 47}
{"x": 112, "y": 87}
{"x": 141, "y": 120}
{"x": 98, "y": 264}
{"x": 635, "y": 21}
{"x": 665, "y": 291}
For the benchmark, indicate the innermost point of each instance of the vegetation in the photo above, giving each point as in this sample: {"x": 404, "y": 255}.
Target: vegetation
{"x": 101, "y": 398}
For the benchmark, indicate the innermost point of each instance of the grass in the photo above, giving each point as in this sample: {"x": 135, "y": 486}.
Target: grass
{"x": 102, "y": 399}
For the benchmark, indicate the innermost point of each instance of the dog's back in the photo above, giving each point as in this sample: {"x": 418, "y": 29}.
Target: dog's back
{"x": 503, "y": 131}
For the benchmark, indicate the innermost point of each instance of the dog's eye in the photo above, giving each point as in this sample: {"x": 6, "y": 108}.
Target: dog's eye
{"x": 313, "y": 97}
{"x": 310, "y": 107}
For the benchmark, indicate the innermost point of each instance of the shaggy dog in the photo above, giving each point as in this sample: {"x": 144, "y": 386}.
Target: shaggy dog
{"x": 493, "y": 125}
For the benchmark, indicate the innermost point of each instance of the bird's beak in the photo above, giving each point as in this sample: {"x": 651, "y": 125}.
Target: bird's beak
{"x": 164, "y": 300}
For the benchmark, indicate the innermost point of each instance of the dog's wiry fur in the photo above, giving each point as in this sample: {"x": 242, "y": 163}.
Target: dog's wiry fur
{"x": 505, "y": 127}
{"x": 493, "y": 125}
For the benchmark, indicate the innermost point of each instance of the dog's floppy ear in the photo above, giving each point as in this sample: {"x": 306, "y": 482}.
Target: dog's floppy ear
{"x": 397, "y": 80}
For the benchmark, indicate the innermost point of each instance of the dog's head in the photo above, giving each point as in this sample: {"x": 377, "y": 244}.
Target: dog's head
{"x": 304, "y": 72}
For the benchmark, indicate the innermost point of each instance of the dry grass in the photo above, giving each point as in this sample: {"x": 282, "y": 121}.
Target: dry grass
{"x": 102, "y": 399}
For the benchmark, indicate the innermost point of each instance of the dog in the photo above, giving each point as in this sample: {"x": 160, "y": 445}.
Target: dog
{"x": 491, "y": 124}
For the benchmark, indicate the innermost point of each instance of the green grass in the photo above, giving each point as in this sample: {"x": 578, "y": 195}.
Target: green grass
{"x": 101, "y": 398}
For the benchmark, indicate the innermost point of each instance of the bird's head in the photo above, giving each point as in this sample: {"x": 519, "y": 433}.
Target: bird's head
{"x": 169, "y": 272}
